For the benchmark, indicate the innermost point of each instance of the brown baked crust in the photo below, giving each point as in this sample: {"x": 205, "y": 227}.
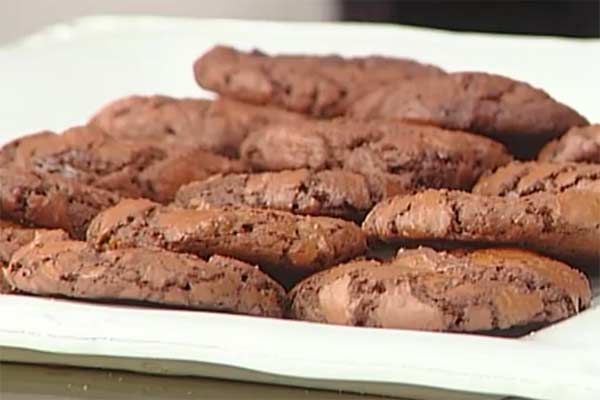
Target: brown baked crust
{"x": 130, "y": 168}
{"x": 321, "y": 86}
{"x": 49, "y": 201}
{"x": 395, "y": 157}
{"x": 334, "y": 193}
{"x": 74, "y": 269}
{"x": 512, "y": 112}
{"x": 12, "y": 238}
{"x": 521, "y": 179}
{"x": 218, "y": 126}
{"x": 579, "y": 144}
{"x": 160, "y": 119}
{"x": 9, "y": 151}
{"x": 162, "y": 179}
{"x": 563, "y": 225}
{"x": 428, "y": 290}
{"x": 287, "y": 246}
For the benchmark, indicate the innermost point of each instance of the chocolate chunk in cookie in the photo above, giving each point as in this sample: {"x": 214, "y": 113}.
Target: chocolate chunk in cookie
{"x": 334, "y": 193}
{"x": 49, "y": 201}
{"x": 521, "y": 179}
{"x": 427, "y": 290}
{"x": 73, "y": 269}
{"x": 579, "y": 144}
{"x": 394, "y": 157}
{"x": 564, "y": 225}
{"x": 287, "y": 246}
{"x": 520, "y": 116}
{"x": 322, "y": 86}
{"x": 131, "y": 168}
{"x": 218, "y": 126}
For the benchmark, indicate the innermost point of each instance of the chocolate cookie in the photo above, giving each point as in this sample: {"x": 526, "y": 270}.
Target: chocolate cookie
{"x": 287, "y": 246}
{"x": 160, "y": 119}
{"x": 161, "y": 180}
{"x": 334, "y": 193}
{"x": 12, "y": 238}
{"x": 131, "y": 168}
{"x": 22, "y": 145}
{"x": 512, "y": 112}
{"x": 564, "y": 225}
{"x": 218, "y": 126}
{"x": 322, "y": 86}
{"x": 49, "y": 201}
{"x": 520, "y": 179}
{"x": 426, "y": 290}
{"x": 395, "y": 157}
{"x": 579, "y": 144}
{"x": 229, "y": 122}
{"x": 73, "y": 269}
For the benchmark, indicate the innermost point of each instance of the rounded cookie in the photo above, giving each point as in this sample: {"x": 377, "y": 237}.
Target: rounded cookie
{"x": 579, "y": 144}
{"x": 49, "y": 201}
{"x": 334, "y": 193}
{"x": 160, "y": 119}
{"x": 12, "y": 238}
{"x": 423, "y": 289}
{"x": 131, "y": 168}
{"x": 218, "y": 126}
{"x": 524, "y": 178}
{"x": 520, "y": 116}
{"x": 73, "y": 269}
{"x": 9, "y": 151}
{"x": 564, "y": 225}
{"x": 322, "y": 86}
{"x": 287, "y": 246}
{"x": 394, "y": 157}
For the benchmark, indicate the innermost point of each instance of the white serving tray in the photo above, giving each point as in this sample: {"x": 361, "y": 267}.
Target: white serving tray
{"x": 60, "y": 76}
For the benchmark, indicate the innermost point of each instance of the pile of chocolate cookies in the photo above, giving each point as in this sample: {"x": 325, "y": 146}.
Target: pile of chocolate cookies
{"x": 366, "y": 191}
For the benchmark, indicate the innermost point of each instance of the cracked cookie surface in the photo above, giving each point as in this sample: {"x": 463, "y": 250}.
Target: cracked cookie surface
{"x": 394, "y": 157}
{"x": 427, "y": 290}
{"x": 48, "y": 201}
{"x": 321, "y": 86}
{"x": 51, "y": 267}
{"x": 564, "y": 225}
{"x": 287, "y": 246}
{"x": 218, "y": 126}
{"x": 334, "y": 193}
{"x": 521, "y": 179}
{"x": 512, "y": 112}
{"x": 130, "y": 168}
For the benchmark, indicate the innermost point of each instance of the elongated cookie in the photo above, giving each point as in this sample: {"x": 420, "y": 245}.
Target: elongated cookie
{"x": 579, "y": 144}
{"x": 427, "y": 290}
{"x": 49, "y": 201}
{"x": 335, "y": 193}
{"x": 395, "y": 157}
{"x": 287, "y": 246}
{"x": 520, "y": 179}
{"x": 218, "y": 126}
{"x": 564, "y": 225}
{"x": 73, "y": 269}
{"x": 512, "y": 112}
{"x": 131, "y": 168}
{"x": 322, "y": 86}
